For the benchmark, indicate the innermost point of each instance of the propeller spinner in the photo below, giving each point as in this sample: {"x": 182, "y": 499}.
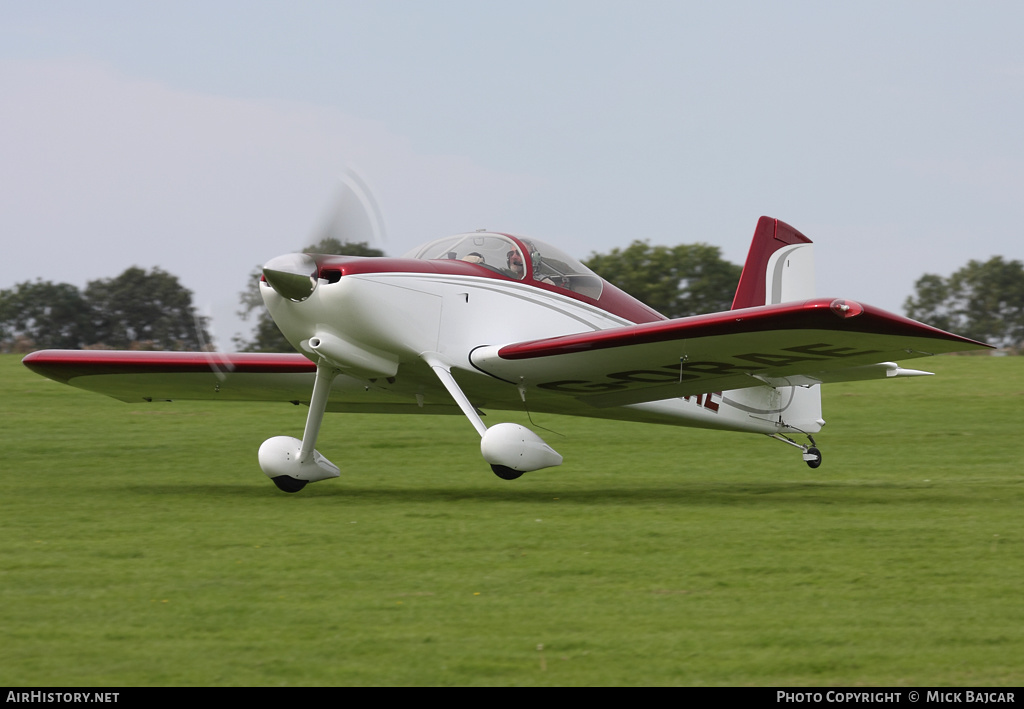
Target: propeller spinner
{"x": 293, "y": 276}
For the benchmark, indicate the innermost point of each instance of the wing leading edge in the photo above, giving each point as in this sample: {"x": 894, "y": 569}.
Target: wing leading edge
{"x": 798, "y": 343}
{"x": 210, "y": 376}
{"x": 155, "y": 376}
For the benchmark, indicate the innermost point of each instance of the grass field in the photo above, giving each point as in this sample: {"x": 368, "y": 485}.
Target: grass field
{"x": 143, "y": 546}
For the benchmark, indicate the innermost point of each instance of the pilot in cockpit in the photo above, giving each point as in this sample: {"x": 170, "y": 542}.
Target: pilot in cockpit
{"x": 515, "y": 263}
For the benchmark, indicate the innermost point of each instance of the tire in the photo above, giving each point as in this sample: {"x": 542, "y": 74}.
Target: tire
{"x": 505, "y": 473}
{"x": 286, "y": 483}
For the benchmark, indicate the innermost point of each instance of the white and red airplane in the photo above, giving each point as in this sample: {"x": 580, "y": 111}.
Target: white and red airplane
{"x": 493, "y": 321}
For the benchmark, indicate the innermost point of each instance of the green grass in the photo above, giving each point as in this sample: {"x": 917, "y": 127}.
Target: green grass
{"x": 143, "y": 546}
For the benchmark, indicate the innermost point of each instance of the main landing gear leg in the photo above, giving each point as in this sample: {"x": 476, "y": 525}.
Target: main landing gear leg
{"x": 811, "y": 455}
{"x": 510, "y": 449}
{"x": 292, "y": 463}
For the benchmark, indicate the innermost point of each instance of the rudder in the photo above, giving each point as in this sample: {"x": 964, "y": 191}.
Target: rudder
{"x": 779, "y": 266}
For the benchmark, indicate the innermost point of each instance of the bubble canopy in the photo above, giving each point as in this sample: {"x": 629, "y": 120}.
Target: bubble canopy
{"x": 520, "y": 259}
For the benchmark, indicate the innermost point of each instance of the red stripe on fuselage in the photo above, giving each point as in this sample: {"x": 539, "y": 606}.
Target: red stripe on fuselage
{"x": 612, "y": 300}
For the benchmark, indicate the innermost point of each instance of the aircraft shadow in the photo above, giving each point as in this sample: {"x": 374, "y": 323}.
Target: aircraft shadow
{"x": 683, "y": 494}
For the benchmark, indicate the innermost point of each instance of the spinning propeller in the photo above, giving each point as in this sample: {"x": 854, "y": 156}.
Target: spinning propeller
{"x": 354, "y": 218}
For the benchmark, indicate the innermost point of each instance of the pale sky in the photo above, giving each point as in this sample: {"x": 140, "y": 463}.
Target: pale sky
{"x": 208, "y": 137}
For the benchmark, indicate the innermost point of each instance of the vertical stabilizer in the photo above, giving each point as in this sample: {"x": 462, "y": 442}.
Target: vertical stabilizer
{"x": 780, "y": 269}
{"x": 779, "y": 266}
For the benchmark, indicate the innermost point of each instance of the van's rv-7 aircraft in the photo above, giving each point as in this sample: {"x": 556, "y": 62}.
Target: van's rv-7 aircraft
{"x": 493, "y": 321}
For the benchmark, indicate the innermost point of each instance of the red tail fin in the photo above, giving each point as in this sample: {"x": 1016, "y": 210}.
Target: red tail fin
{"x": 764, "y": 272}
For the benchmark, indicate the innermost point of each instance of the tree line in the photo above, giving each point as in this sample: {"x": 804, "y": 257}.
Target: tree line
{"x": 984, "y": 300}
{"x": 152, "y": 310}
{"x": 138, "y": 309}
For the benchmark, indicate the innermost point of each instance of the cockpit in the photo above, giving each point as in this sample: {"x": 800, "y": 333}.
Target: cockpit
{"x": 525, "y": 260}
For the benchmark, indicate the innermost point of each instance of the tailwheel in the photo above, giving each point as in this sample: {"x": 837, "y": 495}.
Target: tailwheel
{"x": 506, "y": 473}
{"x": 286, "y": 483}
{"x": 812, "y": 456}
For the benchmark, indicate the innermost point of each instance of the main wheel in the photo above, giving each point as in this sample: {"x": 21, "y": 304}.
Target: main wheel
{"x": 816, "y": 461}
{"x": 506, "y": 473}
{"x": 286, "y": 483}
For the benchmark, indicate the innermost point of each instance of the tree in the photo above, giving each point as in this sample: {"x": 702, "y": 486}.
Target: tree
{"x": 266, "y": 335}
{"x": 983, "y": 301}
{"x": 136, "y": 310}
{"x": 688, "y": 279}
{"x": 141, "y": 310}
{"x": 41, "y": 314}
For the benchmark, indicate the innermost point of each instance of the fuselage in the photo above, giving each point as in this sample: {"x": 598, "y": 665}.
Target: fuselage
{"x": 376, "y": 319}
